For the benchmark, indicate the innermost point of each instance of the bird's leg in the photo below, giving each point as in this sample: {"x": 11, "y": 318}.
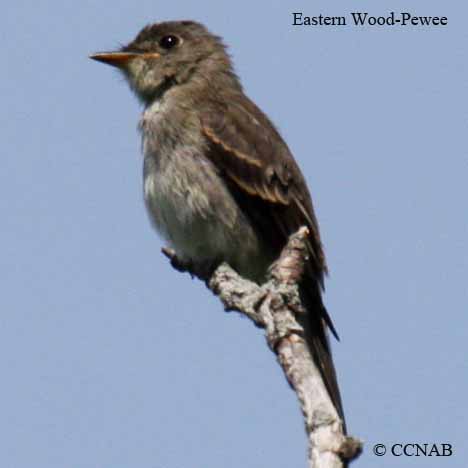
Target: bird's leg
{"x": 176, "y": 262}
{"x": 202, "y": 270}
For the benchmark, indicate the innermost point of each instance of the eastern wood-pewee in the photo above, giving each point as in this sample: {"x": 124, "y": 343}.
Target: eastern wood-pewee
{"x": 220, "y": 184}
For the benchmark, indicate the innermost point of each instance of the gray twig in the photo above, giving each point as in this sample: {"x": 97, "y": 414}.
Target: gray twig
{"x": 273, "y": 306}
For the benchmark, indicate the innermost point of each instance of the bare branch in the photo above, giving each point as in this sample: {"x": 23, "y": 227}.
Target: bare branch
{"x": 273, "y": 306}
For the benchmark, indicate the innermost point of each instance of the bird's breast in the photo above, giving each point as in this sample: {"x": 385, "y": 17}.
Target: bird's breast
{"x": 194, "y": 211}
{"x": 189, "y": 202}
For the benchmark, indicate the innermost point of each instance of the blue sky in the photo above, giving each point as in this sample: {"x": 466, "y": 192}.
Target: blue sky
{"x": 109, "y": 358}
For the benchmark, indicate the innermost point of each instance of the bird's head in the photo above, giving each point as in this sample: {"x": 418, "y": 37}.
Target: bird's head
{"x": 168, "y": 54}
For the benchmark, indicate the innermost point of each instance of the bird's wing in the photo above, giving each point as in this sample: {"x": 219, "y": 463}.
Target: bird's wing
{"x": 265, "y": 180}
{"x": 249, "y": 152}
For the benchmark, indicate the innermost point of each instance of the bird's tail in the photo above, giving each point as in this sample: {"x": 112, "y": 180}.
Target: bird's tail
{"x": 315, "y": 323}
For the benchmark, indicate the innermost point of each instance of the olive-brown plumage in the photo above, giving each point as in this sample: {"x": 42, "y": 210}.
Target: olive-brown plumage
{"x": 220, "y": 182}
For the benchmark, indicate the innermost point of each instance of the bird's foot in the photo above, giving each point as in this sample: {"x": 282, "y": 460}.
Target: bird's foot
{"x": 176, "y": 262}
{"x": 202, "y": 270}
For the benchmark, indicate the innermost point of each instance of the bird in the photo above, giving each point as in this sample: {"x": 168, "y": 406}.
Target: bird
{"x": 220, "y": 183}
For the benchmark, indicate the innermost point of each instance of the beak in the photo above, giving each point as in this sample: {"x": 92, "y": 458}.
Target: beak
{"x": 120, "y": 59}
{"x": 116, "y": 59}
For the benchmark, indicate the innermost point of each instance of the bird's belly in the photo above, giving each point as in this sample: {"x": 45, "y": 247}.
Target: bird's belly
{"x": 191, "y": 207}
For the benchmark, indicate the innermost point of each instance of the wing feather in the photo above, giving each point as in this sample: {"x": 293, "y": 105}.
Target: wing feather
{"x": 265, "y": 180}
{"x": 248, "y": 150}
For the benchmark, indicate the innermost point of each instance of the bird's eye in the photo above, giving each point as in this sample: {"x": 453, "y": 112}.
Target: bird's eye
{"x": 168, "y": 42}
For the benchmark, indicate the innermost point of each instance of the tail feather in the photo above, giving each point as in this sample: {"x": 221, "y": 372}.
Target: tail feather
{"x": 315, "y": 324}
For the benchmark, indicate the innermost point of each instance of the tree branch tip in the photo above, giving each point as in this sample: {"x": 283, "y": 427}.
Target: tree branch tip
{"x": 289, "y": 267}
{"x": 303, "y": 232}
{"x": 276, "y": 306}
{"x": 350, "y": 448}
{"x": 168, "y": 252}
